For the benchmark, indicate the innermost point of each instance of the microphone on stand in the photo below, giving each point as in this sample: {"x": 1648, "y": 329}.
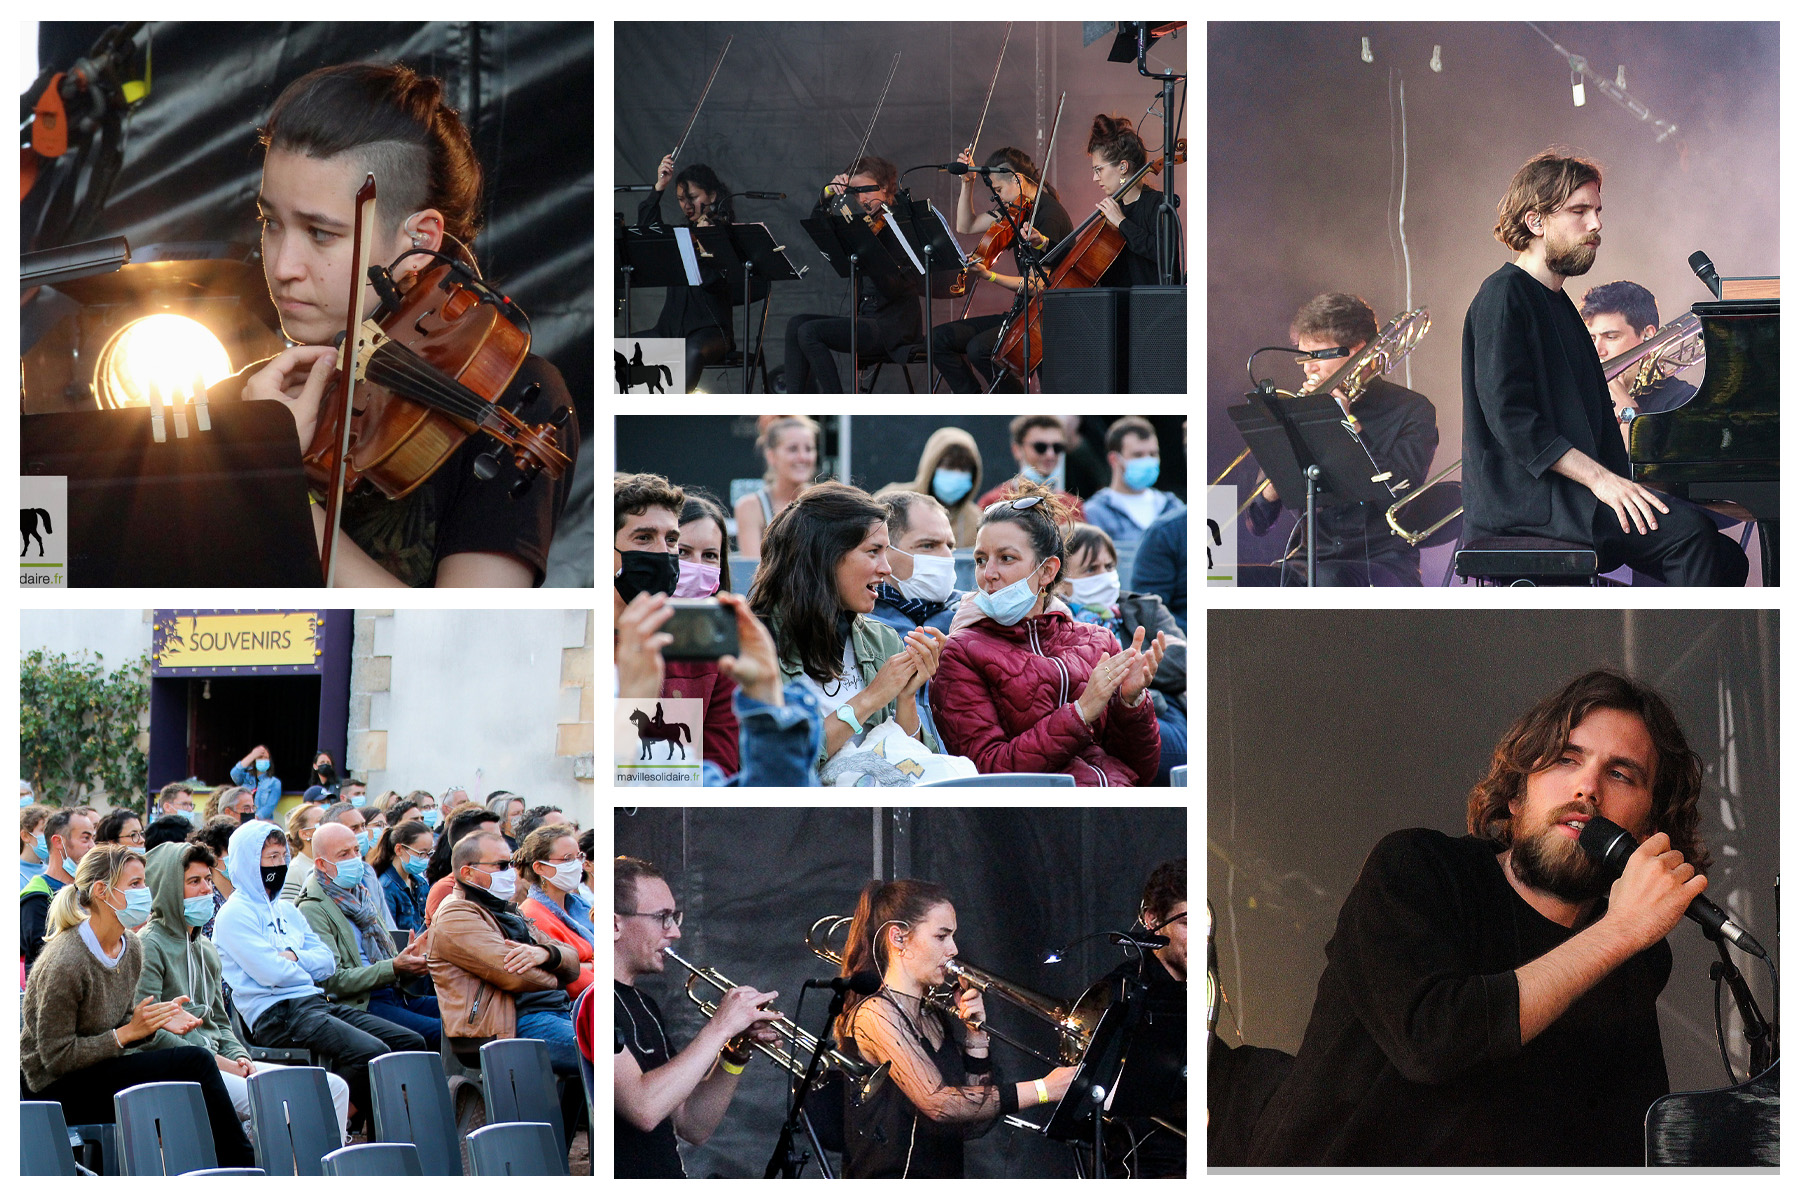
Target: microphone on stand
{"x": 762, "y": 195}
{"x": 865, "y": 982}
{"x": 1709, "y": 275}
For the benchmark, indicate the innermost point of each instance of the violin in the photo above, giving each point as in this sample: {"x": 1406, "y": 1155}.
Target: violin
{"x": 993, "y": 243}
{"x": 432, "y": 365}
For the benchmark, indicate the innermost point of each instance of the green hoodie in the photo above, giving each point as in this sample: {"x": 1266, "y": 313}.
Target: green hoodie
{"x": 179, "y": 960}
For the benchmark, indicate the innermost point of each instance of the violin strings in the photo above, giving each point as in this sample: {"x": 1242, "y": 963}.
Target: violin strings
{"x": 396, "y": 366}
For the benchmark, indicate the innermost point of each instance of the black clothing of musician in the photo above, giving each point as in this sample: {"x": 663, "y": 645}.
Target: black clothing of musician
{"x": 1412, "y": 1056}
{"x": 701, "y": 315}
{"x": 636, "y": 1154}
{"x": 1533, "y": 389}
{"x": 888, "y": 317}
{"x": 1136, "y": 267}
{"x": 886, "y": 1136}
{"x": 1154, "y": 1079}
{"x": 977, "y": 336}
{"x": 1357, "y": 547}
{"x": 454, "y": 511}
{"x": 1664, "y": 394}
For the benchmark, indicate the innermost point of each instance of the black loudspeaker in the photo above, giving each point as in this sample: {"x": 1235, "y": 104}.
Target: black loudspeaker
{"x": 1156, "y": 341}
{"x": 1082, "y": 329}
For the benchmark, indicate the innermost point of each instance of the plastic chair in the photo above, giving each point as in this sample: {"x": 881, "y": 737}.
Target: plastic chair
{"x": 374, "y": 1158}
{"x": 516, "y": 1148}
{"x": 44, "y": 1139}
{"x": 297, "y": 1056}
{"x": 1019, "y": 779}
{"x": 96, "y": 1145}
{"x": 163, "y": 1130}
{"x": 462, "y": 1073}
{"x": 1178, "y": 776}
{"x": 228, "y": 1171}
{"x": 519, "y": 1086}
{"x": 412, "y": 1105}
{"x": 294, "y": 1119}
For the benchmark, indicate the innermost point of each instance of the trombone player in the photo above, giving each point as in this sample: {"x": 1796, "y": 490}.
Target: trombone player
{"x": 1620, "y": 317}
{"x": 1399, "y": 426}
{"x": 658, "y": 1093}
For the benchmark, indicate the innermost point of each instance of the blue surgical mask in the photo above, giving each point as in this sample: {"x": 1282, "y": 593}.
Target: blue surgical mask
{"x": 432, "y": 818}
{"x": 69, "y": 865}
{"x": 1031, "y": 474}
{"x": 415, "y": 867}
{"x": 349, "y": 873}
{"x": 137, "y": 907}
{"x": 26, "y": 799}
{"x": 195, "y": 817}
{"x": 1009, "y": 605}
{"x": 362, "y": 844}
{"x": 42, "y": 849}
{"x": 950, "y": 486}
{"x": 198, "y": 910}
{"x": 1141, "y": 473}
{"x": 262, "y": 764}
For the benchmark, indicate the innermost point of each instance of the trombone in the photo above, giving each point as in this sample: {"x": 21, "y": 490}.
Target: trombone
{"x": 803, "y": 1044}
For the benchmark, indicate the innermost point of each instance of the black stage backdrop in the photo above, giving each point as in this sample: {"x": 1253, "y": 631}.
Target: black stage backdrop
{"x": 1306, "y": 166}
{"x": 1328, "y": 730}
{"x": 1025, "y": 880}
{"x": 792, "y": 100}
{"x": 526, "y": 91}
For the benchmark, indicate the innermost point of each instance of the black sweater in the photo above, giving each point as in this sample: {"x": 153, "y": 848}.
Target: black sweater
{"x": 1412, "y": 1055}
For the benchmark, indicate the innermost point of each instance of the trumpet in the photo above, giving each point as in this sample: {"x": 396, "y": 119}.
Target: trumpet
{"x": 800, "y": 1044}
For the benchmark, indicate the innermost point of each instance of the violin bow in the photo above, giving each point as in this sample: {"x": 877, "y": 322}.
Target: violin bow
{"x": 1038, "y": 200}
{"x": 982, "y": 123}
{"x": 873, "y": 117}
{"x": 351, "y": 352}
{"x": 695, "y": 115}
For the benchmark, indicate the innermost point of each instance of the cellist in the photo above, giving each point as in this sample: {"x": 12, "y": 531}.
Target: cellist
{"x": 1016, "y": 181}
{"x": 328, "y": 129}
{"x": 1115, "y": 150}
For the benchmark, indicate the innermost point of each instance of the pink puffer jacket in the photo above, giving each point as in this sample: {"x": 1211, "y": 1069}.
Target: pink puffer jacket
{"x": 1005, "y": 697}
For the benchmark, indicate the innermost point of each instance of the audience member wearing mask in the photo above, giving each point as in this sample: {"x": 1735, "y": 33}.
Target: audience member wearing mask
{"x": 429, "y": 811}
{"x": 274, "y": 963}
{"x": 823, "y": 563}
{"x": 180, "y": 960}
{"x": 437, "y": 871}
{"x": 581, "y": 901}
{"x": 302, "y": 826}
{"x": 704, "y": 570}
{"x": 1028, "y": 689}
{"x": 481, "y": 949}
{"x": 215, "y": 835}
{"x": 66, "y": 838}
{"x": 1039, "y": 444}
{"x": 790, "y": 450}
{"x": 33, "y": 853}
{"x": 1127, "y": 508}
{"x": 399, "y": 863}
{"x": 351, "y": 817}
{"x": 550, "y": 861}
{"x": 921, "y": 586}
{"x": 507, "y": 808}
{"x": 344, "y": 904}
{"x": 950, "y": 473}
{"x": 252, "y": 771}
{"x": 177, "y": 799}
{"x": 322, "y": 782}
{"x": 225, "y": 802}
{"x": 85, "y": 1035}
{"x": 1090, "y": 587}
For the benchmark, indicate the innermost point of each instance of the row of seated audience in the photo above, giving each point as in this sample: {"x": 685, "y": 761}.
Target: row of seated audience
{"x": 1048, "y": 666}
{"x": 135, "y": 953}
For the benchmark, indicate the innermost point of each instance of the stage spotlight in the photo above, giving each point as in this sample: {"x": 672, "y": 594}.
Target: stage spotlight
{"x": 163, "y": 355}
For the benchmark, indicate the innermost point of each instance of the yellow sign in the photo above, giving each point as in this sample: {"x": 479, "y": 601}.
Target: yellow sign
{"x": 249, "y": 639}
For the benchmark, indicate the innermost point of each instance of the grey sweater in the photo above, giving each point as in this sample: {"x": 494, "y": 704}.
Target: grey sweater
{"x": 71, "y": 1006}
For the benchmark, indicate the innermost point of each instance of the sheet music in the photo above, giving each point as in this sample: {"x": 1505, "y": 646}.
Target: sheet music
{"x": 690, "y": 262}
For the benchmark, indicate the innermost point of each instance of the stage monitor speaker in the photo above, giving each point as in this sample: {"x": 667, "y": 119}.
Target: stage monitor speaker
{"x": 1156, "y": 341}
{"x": 1082, "y": 328}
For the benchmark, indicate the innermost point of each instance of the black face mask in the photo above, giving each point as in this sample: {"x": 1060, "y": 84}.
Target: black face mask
{"x": 646, "y": 571}
{"x": 272, "y": 879}
{"x": 327, "y": 774}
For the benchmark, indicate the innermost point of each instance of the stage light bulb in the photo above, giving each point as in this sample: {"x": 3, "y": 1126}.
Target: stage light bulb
{"x": 162, "y": 355}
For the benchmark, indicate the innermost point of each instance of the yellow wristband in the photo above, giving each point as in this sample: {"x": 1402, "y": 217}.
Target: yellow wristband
{"x": 730, "y": 1067}
{"x": 1043, "y": 1092}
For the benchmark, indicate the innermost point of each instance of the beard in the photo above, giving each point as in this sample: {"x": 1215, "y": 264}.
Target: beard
{"x": 1549, "y": 862}
{"x": 1570, "y": 258}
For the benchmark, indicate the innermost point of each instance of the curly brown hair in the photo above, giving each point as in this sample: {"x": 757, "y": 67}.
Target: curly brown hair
{"x": 1535, "y": 740}
{"x": 1543, "y": 185}
{"x": 1344, "y": 318}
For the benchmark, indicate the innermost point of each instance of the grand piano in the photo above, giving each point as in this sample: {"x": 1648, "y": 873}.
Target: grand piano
{"x": 1722, "y": 449}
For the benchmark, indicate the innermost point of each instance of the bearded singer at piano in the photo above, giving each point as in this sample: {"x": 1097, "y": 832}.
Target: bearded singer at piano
{"x": 1541, "y": 453}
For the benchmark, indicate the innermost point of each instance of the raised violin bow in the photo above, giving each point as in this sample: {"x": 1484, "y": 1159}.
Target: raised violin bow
{"x": 350, "y": 351}
{"x": 1038, "y": 200}
{"x": 982, "y": 123}
{"x": 695, "y": 115}
{"x": 873, "y": 117}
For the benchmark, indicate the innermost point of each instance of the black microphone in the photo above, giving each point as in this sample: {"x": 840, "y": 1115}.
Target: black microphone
{"x": 762, "y": 195}
{"x": 866, "y": 982}
{"x": 1143, "y": 941}
{"x": 1611, "y": 846}
{"x": 965, "y": 169}
{"x": 1709, "y": 275}
{"x": 1328, "y": 352}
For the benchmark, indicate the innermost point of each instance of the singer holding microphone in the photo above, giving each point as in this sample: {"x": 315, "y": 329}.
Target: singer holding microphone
{"x": 942, "y": 1089}
{"x": 1491, "y": 1000}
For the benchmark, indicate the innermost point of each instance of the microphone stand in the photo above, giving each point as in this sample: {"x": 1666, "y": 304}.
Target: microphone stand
{"x": 1167, "y": 222}
{"x": 789, "y": 1160}
{"x": 1757, "y": 1030}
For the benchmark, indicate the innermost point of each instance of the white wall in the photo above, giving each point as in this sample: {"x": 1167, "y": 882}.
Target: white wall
{"x": 475, "y": 699}
{"x": 119, "y": 634}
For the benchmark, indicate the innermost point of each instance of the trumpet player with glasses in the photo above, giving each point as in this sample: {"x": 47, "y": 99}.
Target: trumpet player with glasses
{"x": 942, "y": 1089}
{"x": 657, "y": 1093}
{"x": 1399, "y": 426}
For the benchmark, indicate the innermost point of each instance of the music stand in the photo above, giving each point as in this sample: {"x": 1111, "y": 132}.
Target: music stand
{"x": 652, "y": 256}
{"x": 853, "y": 250}
{"x": 760, "y": 258}
{"x": 221, "y": 508}
{"x": 1304, "y": 443}
{"x": 1079, "y": 1114}
{"x": 929, "y": 231}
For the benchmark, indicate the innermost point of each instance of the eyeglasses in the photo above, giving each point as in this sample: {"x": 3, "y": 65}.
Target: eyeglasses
{"x": 1047, "y": 447}
{"x": 670, "y": 917}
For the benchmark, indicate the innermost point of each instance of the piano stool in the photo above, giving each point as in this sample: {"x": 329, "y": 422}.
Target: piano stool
{"x": 1528, "y": 562}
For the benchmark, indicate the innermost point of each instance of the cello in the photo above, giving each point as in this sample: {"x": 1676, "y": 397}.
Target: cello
{"x": 1081, "y": 259}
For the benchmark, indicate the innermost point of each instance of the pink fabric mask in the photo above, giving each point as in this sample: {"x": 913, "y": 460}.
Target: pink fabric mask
{"x": 697, "y": 581}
